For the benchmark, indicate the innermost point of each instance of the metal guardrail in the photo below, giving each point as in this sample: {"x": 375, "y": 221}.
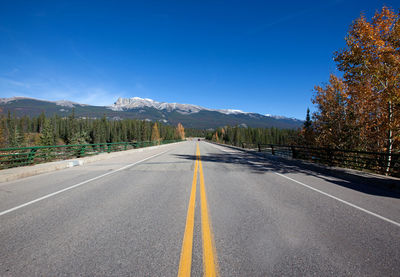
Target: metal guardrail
{"x": 14, "y": 157}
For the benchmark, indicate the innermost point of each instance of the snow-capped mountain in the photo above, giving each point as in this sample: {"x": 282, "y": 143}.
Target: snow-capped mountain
{"x": 191, "y": 116}
{"x": 281, "y": 117}
{"x": 63, "y": 103}
{"x": 136, "y": 102}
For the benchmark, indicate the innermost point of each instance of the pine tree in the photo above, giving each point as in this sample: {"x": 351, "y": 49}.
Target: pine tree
{"x": 307, "y": 131}
{"x": 80, "y": 138}
{"x": 15, "y": 136}
{"x": 47, "y": 135}
{"x": 2, "y": 135}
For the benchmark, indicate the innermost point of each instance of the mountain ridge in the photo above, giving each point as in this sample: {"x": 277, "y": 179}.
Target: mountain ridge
{"x": 147, "y": 109}
{"x": 136, "y": 102}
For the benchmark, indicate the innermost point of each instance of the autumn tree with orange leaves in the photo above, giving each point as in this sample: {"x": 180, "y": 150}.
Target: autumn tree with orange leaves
{"x": 155, "y": 134}
{"x": 180, "y": 131}
{"x": 335, "y": 121}
{"x": 362, "y": 111}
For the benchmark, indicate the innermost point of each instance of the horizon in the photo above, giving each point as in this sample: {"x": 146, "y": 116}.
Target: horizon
{"x": 148, "y": 99}
{"x": 256, "y": 57}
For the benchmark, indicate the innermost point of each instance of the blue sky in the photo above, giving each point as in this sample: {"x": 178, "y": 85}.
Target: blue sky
{"x": 257, "y": 56}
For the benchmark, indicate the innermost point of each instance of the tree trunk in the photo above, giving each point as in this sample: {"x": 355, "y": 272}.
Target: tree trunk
{"x": 390, "y": 138}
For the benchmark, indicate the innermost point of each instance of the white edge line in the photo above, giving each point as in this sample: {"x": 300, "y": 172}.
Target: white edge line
{"x": 77, "y": 185}
{"x": 219, "y": 147}
{"x": 331, "y": 196}
{"x": 340, "y": 200}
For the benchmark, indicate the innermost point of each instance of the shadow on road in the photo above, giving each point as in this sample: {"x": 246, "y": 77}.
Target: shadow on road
{"x": 356, "y": 180}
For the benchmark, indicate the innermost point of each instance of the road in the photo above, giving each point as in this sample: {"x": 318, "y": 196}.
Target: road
{"x": 199, "y": 208}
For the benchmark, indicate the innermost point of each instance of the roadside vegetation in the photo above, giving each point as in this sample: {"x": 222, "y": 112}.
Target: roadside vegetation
{"x": 238, "y": 135}
{"x": 357, "y": 110}
{"x": 56, "y": 130}
{"x": 357, "y": 120}
{"x": 360, "y": 108}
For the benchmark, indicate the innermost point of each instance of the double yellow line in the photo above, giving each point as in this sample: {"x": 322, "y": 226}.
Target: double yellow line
{"x": 209, "y": 254}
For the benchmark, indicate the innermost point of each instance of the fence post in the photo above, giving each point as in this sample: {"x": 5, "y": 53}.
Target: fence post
{"x": 259, "y": 147}
{"x": 31, "y": 155}
{"x": 329, "y": 156}
{"x": 82, "y": 151}
{"x": 294, "y": 154}
{"x": 272, "y": 150}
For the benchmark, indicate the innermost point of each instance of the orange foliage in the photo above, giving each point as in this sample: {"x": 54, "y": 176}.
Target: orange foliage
{"x": 180, "y": 131}
{"x": 334, "y": 123}
{"x": 371, "y": 66}
{"x": 155, "y": 134}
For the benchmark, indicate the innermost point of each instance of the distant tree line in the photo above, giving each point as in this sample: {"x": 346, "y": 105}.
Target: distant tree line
{"x": 56, "y": 130}
{"x": 237, "y": 135}
{"x": 193, "y": 132}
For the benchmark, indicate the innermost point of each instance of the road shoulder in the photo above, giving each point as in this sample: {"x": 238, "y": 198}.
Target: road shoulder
{"x": 17, "y": 173}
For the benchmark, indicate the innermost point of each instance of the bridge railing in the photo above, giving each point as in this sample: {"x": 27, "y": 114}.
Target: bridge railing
{"x": 14, "y": 157}
{"x": 362, "y": 160}
{"x": 376, "y": 162}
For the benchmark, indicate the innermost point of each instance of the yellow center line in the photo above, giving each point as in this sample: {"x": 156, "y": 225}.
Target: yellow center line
{"x": 187, "y": 244}
{"x": 210, "y": 265}
{"x": 209, "y": 253}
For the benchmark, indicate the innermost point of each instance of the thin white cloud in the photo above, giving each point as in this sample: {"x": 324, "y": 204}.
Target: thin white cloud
{"x": 98, "y": 97}
{"x": 56, "y": 89}
{"x": 11, "y": 82}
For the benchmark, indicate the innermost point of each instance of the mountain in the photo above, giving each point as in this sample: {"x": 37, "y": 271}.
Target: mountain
{"x": 137, "y": 102}
{"x": 191, "y": 116}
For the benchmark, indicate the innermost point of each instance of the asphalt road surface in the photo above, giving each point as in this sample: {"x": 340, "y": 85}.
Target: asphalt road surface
{"x": 196, "y": 208}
